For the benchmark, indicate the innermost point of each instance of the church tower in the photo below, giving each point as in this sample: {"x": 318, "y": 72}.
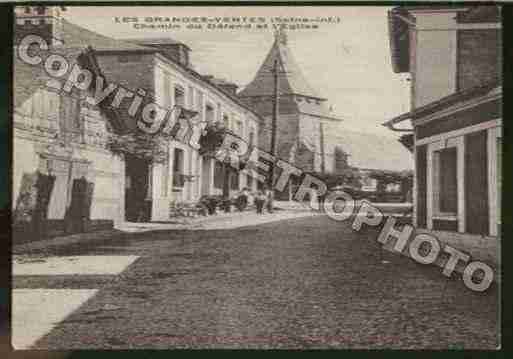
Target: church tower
{"x": 301, "y": 109}
{"x": 44, "y": 21}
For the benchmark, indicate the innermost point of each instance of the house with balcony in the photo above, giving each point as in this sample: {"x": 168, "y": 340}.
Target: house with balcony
{"x": 453, "y": 55}
{"x": 161, "y": 67}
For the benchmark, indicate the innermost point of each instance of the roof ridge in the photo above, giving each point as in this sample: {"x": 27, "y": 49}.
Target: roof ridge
{"x": 95, "y": 39}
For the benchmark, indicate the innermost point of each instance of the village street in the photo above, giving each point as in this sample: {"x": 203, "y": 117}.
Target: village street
{"x": 300, "y": 283}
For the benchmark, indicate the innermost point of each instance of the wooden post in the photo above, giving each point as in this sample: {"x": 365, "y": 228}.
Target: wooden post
{"x": 274, "y": 121}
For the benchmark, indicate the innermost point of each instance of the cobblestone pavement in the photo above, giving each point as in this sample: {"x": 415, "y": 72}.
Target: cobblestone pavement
{"x": 301, "y": 283}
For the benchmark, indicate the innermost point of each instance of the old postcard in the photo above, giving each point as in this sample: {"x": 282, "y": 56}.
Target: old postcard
{"x": 262, "y": 177}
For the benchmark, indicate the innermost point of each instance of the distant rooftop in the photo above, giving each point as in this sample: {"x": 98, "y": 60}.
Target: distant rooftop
{"x": 155, "y": 41}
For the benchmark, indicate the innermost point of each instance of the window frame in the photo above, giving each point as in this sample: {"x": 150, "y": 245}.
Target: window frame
{"x": 177, "y": 88}
{"x": 433, "y": 213}
{"x": 209, "y": 108}
{"x": 177, "y": 182}
{"x": 438, "y": 213}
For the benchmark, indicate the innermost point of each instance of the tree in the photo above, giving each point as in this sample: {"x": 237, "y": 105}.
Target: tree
{"x": 210, "y": 142}
{"x": 348, "y": 177}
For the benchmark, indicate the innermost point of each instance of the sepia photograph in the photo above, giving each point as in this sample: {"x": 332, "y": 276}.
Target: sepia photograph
{"x": 256, "y": 177}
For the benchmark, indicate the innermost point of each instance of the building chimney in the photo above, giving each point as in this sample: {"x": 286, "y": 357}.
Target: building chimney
{"x": 44, "y": 21}
{"x": 226, "y": 86}
{"x": 229, "y": 87}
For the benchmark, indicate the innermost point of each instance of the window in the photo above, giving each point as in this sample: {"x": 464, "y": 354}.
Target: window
{"x": 166, "y": 93}
{"x": 191, "y": 98}
{"x": 249, "y": 181}
{"x": 165, "y": 176}
{"x": 393, "y": 187}
{"x": 252, "y": 138}
{"x": 149, "y": 192}
{"x": 234, "y": 179}
{"x": 179, "y": 96}
{"x": 445, "y": 189}
{"x": 369, "y": 184}
{"x": 27, "y": 9}
{"x": 238, "y": 128}
{"x": 226, "y": 121}
{"x": 209, "y": 114}
{"x": 218, "y": 175}
{"x": 70, "y": 114}
{"x": 199, "y": 103}
{"x": 178, "y": 167}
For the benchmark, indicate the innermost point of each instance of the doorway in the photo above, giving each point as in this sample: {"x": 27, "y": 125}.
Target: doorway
{"x": 137, "y": 189}
{"x": 205, "y": 176}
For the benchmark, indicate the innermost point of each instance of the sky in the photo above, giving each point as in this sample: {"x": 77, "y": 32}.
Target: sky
{"x": 348, "y": 62}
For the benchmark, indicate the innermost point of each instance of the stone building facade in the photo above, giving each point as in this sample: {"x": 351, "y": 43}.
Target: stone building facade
{"x": 60, "y": 138}
{"x": 62, "y": 171}
{"x": 167, "y": 75}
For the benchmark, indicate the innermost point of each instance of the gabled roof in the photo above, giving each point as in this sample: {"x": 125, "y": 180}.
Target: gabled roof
{"x": 77, "y": 40}
{"x": 291, "y": 79}
{"x": 27, "y": 79}
{"x": 75, "y": 36}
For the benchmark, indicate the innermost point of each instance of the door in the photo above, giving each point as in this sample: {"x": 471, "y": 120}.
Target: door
{"x": 137, "y": 189}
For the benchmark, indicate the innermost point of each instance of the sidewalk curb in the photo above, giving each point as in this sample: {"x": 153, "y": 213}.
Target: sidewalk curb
{"x": 90, "y": 237}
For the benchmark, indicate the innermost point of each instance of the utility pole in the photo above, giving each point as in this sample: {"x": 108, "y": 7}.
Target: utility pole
{"x": 323, "y": 163}
{"x": 276, "y": 110}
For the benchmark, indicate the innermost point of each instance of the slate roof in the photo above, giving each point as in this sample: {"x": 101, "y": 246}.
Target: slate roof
{"x": 290, "y": 82}
{"x": 77, "y": 36}
{"x": 76, "y": 39}
{"x": 27, "y": 79}
{"x": 315, "y": 109}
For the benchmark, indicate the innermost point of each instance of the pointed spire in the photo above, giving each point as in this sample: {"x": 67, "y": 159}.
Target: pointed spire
{"x": 280, "y": 36}
{"x": 292, "y": 80}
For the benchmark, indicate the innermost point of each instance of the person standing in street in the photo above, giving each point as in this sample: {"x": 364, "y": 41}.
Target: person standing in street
{"x": 259, "y": 201}
{"x": 269, "y": 196}
{"x": 242, "y": 199}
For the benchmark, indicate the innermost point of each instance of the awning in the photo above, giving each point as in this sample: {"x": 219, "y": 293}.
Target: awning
{"x": 491, "y": 89}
